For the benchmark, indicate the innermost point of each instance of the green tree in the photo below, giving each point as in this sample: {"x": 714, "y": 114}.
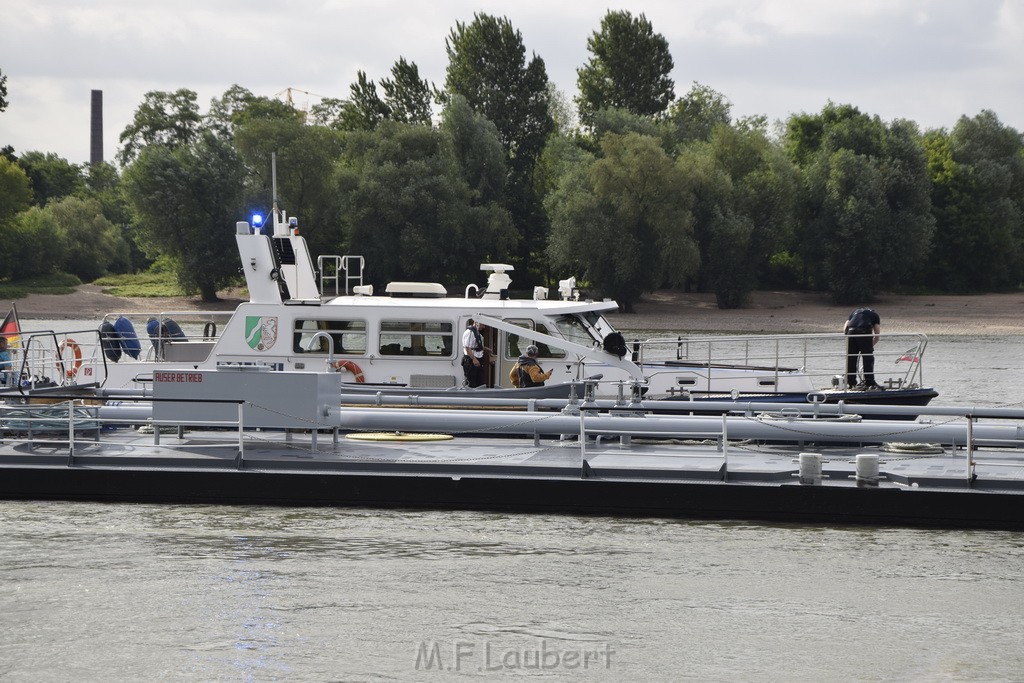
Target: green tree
{"x": 745, "y": 190}
{"x": 695, "y": 115}
{"x": 238, "y": 106}
{"x": 864, "y": 215}
{"x": 34, "y": 245}
{"x": 364, "y": 110}
{"x": 977, "y": 174}
{"x": 478, "y": 152}
{"x": 52, "y": 177}
{"x": 171, "y": 119}
{"x": 187, "y": 201}
{"x": 103, "y": 184}
{"x": 623, "y": 221}
{"x": 93, "y": 242}
{"x": 306, "y": 156}
{"x": 487, "y": 65}
{"x": 408, "y": 208}
{"x": 628, "y": 68}
{"x": 3, "y": 90}
{"x": 15, "y": 190}
{"x": 406, "y": 95}
{"x": 15, "y": 197}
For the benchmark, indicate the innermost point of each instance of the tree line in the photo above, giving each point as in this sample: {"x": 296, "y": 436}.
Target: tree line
{"x": 628, "y": 187}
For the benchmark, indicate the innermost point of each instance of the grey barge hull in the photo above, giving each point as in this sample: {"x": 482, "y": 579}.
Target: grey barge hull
{"x": 695, "y": 481}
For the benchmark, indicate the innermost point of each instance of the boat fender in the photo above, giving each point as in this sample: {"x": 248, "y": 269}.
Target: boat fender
{"x": 351, "y": 367}
{"x": 615, "y": 344}
{"x": 154, "y": 331}
{"x": 210, "y": 330}
{"x": 69, "y": 358}
{"x": 173, "y": 330}
{"x": 130, "y": 343}
{"x": 110, "y": 342}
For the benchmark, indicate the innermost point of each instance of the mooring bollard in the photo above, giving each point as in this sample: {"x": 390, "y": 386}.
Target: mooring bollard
{"x": 810, "y": 469}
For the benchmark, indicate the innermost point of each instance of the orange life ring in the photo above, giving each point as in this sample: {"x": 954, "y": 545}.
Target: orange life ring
{"x": 76, "y": 354}
{"x": 351, "y": 367}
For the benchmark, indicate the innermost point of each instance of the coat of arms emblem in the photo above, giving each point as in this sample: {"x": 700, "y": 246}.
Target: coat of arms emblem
{"x": 260, "y": 331}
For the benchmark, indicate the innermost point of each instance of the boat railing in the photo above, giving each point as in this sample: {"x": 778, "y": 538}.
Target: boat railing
{"x": 81, "y": 425}
{"x": 898, "y": 357}
{"x": 336, "y": 270}
{"x": 45, "y": 358}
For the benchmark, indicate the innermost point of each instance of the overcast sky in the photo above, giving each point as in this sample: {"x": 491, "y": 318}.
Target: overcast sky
{"x": 928, "y": 61}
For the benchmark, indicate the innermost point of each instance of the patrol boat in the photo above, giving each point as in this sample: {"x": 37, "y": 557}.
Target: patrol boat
{"x": 320, "y": 317}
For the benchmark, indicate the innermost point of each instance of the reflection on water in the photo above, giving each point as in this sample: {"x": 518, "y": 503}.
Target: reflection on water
{"x": 205, "y": 592}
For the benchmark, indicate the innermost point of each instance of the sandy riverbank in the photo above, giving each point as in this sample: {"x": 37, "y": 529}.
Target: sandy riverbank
{"x": 769, "y": 312}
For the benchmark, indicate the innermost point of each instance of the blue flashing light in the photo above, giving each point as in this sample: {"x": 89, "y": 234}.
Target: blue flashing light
{"x": 257, "y": 220}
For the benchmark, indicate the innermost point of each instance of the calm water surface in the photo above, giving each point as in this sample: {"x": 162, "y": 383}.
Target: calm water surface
{"x": 136, "y": 592}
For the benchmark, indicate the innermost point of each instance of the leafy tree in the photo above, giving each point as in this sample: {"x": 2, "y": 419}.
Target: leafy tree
{"x": 15, "y": 190}
{"x": 170, "y": 119}
{"x": 187, "y": 201}
{"x": 406, "y": 95}
{"x": 93, "y": 242}
{"x": 695, "y": 115}
{"x": 628, "y": 69}
{"x": 865, "y": 213}
{"x": 745, "y": 190}
{"x": 306, "y": 156}
{"x": 103, "y": 184}
{"x": 364, "y": 110}
{"x": 977, "y": 173}
{"x": 33, "y": 244}
{"x": 3, "y": 91}
{"x": 15, "y": 197}
{"x": 474, "y": 141}
{"x": 238, "y": 106}
{"x": 623, "y": 221}
{"x": 52, "y": 177}
{"x": 408, "y": 208}
{"x": 487, "y": 65}
{"x": 327, "y": 112}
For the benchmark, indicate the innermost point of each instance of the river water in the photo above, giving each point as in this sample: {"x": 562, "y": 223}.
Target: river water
{"x": 137, "y": 592}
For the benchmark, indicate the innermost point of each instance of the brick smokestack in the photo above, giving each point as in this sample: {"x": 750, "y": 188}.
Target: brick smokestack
{"x": 96, "y": 129}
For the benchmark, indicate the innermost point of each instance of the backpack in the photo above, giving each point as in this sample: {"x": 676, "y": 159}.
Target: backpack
{"x": 861, "y": 320}
{"x": 615, "y": 344}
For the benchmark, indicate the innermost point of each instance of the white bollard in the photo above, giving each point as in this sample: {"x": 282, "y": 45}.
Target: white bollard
{"x": 810, "y": 469}
{"x": 867, "y": 469}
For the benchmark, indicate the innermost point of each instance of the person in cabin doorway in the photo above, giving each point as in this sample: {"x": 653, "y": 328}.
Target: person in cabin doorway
{"x": 6, "y": 363}
{"x": 475, "y": 356}
{"x": 527, "y": 372}
{"x": 862, "y": 328}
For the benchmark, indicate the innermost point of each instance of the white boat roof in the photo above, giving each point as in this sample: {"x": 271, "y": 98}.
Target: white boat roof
{"x": 542, "y": 306}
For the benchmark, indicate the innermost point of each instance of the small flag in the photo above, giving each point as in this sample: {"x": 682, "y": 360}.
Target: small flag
{"x": 910, "y": 357}
{"x": 11, "y": 328}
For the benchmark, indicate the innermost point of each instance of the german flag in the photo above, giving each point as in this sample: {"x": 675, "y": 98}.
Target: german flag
{"x": 11, "y": 329}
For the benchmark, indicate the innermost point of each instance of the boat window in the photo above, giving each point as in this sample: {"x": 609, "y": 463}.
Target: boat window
{"x": 416, "y": 338}
{"x": 599, "y": 323}
{"x": 515, "y": 345}
{"x": 349, "y": 336}
{"x": 575, "y": 330}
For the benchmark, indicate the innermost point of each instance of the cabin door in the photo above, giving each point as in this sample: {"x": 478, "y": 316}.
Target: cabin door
{"x": 510, "y": 347}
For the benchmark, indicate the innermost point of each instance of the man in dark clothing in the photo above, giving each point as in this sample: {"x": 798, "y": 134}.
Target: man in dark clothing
{"x": 527, "y": 372}
{"x": 861, "y": 323}
{"x": 476, "y": 357}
